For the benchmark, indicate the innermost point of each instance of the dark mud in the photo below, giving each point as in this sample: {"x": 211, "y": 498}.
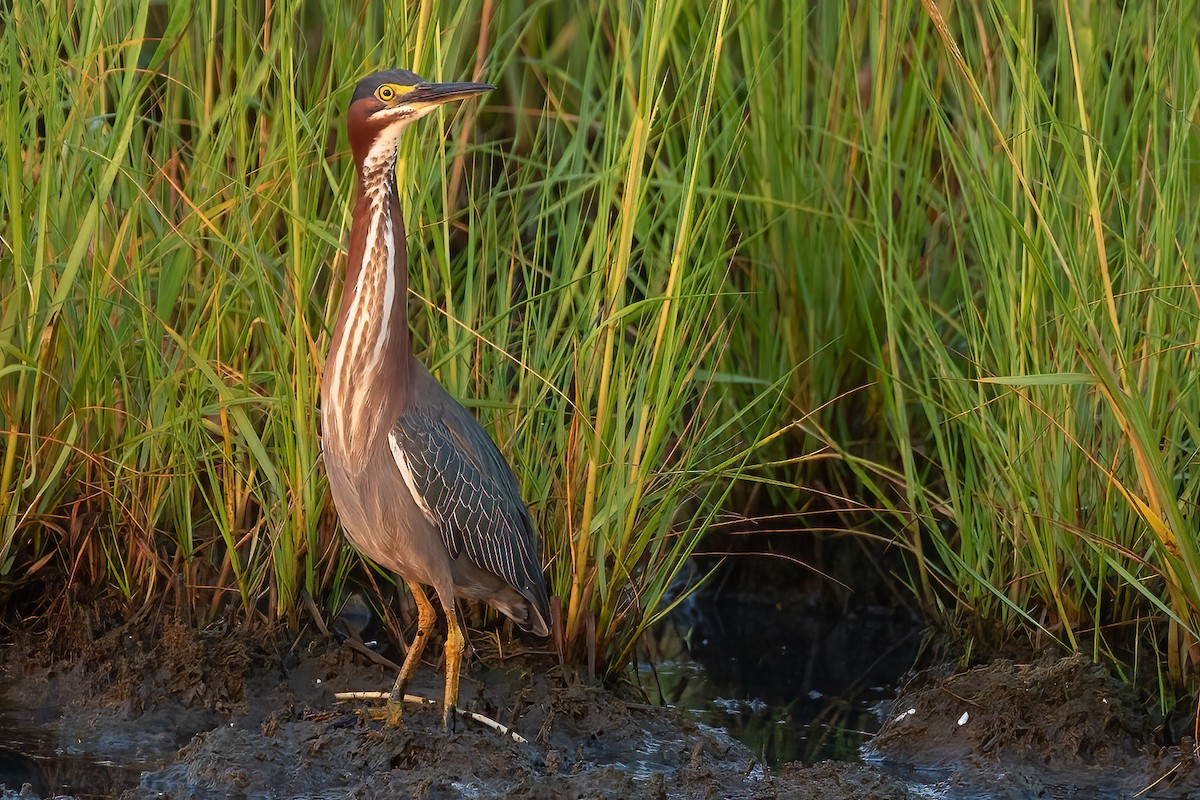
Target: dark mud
{"x": 164, "y": 711}
{"x": 1059, "y": 727}
{"x": 221, "y": 713}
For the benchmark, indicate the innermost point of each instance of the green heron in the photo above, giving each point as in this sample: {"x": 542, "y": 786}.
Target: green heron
{"x": 419, "y": 486}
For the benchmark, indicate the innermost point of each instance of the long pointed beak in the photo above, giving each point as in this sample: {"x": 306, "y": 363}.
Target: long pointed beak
{"x": 432, "y": 94}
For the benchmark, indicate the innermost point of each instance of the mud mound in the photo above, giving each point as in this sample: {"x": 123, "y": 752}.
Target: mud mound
{"x": 224, "y": 714}
{"x": 584, "y": 743}
{"x": 831, "y": 779}
{"x": 136, "y": 666}
{"x": 1069, "y": 713}
{"x": 639, "y": 754}
{"x": 1051, "y": 728}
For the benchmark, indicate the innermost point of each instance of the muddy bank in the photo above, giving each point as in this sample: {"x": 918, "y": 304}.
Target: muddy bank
{"x": 584, "y": 743}
{"x": 1057, "y": 727}
{"x": 165, "y": 711}
{"x": 222, "y": 713}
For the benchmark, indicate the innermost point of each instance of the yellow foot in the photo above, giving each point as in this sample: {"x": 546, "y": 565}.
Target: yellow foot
{"x": 450, "y": 719}
{"x": 392, "y": 713}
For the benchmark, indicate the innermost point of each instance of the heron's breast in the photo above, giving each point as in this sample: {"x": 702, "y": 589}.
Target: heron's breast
{"x": 383, "y": 521}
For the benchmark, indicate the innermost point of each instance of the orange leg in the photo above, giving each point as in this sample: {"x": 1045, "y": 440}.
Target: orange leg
{"x": 425, "y": 620}
{"x": 455, "y": 644}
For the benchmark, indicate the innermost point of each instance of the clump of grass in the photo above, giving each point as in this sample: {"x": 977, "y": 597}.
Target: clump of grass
{"x": 1012, "y": 186}
{"x": 969, "y": 247}
{"x": 1075, "y": 401}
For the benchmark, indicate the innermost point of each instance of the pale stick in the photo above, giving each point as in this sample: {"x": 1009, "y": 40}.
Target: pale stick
{"x": 413, "y": 698}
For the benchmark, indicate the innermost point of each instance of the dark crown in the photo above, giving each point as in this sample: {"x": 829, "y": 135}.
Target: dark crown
{"x": 367, "y": 86}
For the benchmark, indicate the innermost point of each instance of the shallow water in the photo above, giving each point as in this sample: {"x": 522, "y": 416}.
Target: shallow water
{"x": 804, "y": 690}
{"x": 795, "y": 670}
{"x": 32, "y": 754}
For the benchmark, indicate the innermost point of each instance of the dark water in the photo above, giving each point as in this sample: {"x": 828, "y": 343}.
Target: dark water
{"x": 792, "y": 670}
{"x": 32, "y": 754}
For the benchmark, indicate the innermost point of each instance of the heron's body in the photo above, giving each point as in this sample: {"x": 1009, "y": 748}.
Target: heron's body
{"x": 419, "y": 486}
{"x": 385, "y": 521}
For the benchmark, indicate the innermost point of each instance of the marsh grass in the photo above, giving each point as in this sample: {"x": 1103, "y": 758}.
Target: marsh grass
{"x": 1011, "y": 191}
{"x": 936, "y": 259}
{"x": 177, "y": 195}
{"x": 986, "y": 232}
{"x": 1062, "y": 394}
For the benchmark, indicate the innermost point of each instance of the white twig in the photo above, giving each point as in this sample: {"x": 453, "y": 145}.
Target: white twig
{"x": 499, "y": 728}
{"x": 408, "y": 698}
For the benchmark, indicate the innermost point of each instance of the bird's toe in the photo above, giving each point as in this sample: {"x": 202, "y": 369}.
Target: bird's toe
{"x": 392, "y": 713}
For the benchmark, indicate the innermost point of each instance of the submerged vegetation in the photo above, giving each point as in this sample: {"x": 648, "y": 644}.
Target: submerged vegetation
{"x": 938, "y": 256}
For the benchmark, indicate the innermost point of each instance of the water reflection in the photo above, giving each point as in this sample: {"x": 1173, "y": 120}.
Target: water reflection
{"x": 30, "y": 756}
{"x": 18, "y": 770}
{"x": 792, "y": 669}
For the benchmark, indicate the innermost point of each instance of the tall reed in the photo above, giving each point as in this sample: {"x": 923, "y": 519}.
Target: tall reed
{"x": 999, "y": 239}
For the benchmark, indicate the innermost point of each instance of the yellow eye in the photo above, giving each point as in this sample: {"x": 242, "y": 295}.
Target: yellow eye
{"x": 385, "y": 93}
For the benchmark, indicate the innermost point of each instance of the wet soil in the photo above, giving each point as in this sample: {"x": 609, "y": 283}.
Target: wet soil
{"x": 1056, "y": 727}
{"x": 223, "y": 713}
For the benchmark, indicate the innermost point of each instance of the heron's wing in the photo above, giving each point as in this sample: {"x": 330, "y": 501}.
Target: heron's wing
{"x": 467, "y": 490}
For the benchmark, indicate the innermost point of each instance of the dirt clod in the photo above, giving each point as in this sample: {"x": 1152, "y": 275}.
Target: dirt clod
{"x": 1067, "y": 712}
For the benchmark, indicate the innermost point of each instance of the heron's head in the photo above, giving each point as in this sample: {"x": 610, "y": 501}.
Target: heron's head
{"x": 384, "y": 102}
